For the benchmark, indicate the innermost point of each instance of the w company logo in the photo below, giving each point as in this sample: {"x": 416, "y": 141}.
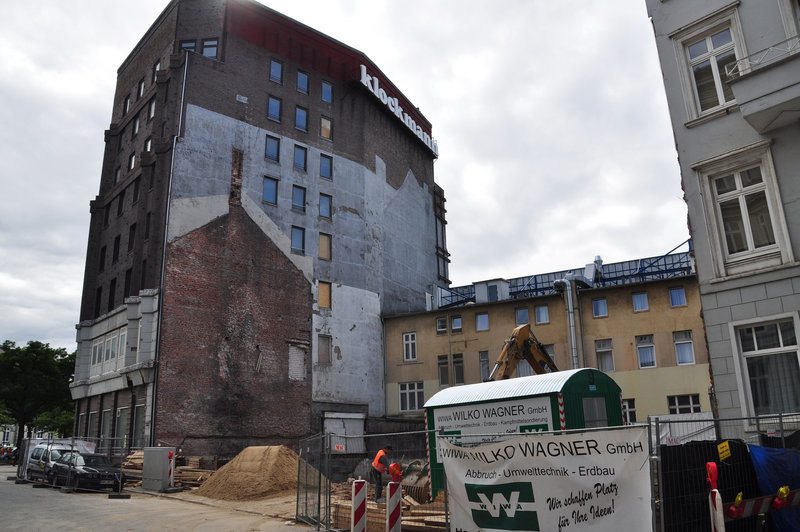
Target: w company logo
{"x": 503, "y": 506}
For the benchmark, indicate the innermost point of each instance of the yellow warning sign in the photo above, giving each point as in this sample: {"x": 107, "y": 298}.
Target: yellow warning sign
{"x": 724, "y": 450}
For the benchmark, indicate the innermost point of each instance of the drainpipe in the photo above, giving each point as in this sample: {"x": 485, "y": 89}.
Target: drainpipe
{"x": 178, "y": 134}
{"x": 559, "y": 286}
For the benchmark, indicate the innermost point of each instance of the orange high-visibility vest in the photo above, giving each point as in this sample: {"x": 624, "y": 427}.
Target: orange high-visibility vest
{"x": 377, "y": 462}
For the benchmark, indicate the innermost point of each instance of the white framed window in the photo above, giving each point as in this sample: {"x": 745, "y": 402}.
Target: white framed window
{"x": 684, "y": 404}
{"x": 521, "y": 316}
{"x": 458, "y": 369}
{"x": 541, "y": 314}
{"x": 640, "y": 302}
{"x": 410, "y": 347}
{"x": 605, "y": 354}
{"x": 629, "y": 411}
{"x": 483, "y": 362}
{"x": 684, "y": 349}
{"x": 646, "y": 351}
{"x": 441, "y": 325}
{"x": 482, "y": 321}
{"x": 412, "y": 396}
{"x": 444, "y": 370}
{"x": 704, "y": 50}
{"x": 455, "y": 324}
{"x": 599, "y": 308}
{"x": 747, "y": 225}
{"x": 210, "y": 48}
{"x": 771, "y": 368}
{"x": 677, "y": 297}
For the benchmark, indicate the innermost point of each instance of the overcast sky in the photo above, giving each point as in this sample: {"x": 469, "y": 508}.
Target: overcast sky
{"x": 551, "y": 119}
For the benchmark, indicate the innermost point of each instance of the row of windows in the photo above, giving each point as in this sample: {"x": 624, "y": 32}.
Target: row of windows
{"x": 270, "y": 195}
{"x": 677, "y": 298}
{"x": 300, "y": 160}
{"x": 274, "y": 105}
{"x": 276, "y": 75}
{"x": 105, "y": 349}
{"x": 128, "y": 288}
{"x": 208, "y": 47}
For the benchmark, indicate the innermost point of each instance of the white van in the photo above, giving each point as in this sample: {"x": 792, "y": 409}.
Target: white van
{"x": 40, "y": 462}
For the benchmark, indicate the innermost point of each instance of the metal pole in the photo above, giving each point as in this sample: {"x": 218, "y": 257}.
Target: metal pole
{"x": 783, "y": 436}
{"x": 660, "y": 475}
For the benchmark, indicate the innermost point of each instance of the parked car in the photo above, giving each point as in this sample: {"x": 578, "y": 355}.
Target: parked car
{"x": 40, "y": 462}
{"x": 87, "y": 471}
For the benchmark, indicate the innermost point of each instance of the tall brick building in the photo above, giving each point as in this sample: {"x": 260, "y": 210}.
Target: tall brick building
{"x": 266, "y": 195}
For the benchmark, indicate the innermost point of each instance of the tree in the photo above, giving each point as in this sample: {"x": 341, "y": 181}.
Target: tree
{"x": 35, "y": 382}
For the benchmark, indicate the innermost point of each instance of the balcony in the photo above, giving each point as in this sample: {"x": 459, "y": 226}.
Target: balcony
{"x": 766, "y": 85}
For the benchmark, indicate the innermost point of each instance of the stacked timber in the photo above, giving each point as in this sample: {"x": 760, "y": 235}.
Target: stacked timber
{"x": 189, "y": 476}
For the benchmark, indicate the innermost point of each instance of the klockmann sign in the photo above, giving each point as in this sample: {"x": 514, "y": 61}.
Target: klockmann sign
{"x": 590, "y": 481}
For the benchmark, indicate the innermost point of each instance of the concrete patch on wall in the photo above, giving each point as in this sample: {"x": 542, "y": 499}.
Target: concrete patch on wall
{"x": 356, "y": 370}
{"x": 188, "y": 214}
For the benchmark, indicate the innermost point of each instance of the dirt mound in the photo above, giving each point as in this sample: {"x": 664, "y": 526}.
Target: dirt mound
{"x": 255, "y": 473}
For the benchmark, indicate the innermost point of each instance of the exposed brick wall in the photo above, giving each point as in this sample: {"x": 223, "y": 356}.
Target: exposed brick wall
{"x": 232, "y": 303}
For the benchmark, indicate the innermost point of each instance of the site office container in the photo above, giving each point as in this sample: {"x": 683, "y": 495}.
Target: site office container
{"x": 487, "y": 412}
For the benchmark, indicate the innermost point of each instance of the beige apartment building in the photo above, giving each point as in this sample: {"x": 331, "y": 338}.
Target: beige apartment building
{"x": 640, "y": 321}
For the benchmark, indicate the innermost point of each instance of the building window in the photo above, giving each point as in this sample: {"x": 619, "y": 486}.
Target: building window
{"x": 126, "y": 291}
{"x": 117, "y": 175}
{"x": 455, "y": 324}
{"x": 115, "y": 252}
{"x": 444, "y": 371}
{"x": 156, "y": 68}
{"x": 684, "y": 404}
{"x": 677, "y": 297}
{"x": 301, "y": 118}
{"x": 140, "y": 89}
{"x": 298, "y": 239}
{"x": 409, "y": 347}
{"x": 524, "y": 369}
{"x": 102, "y": 262}
{"x": 325, "y": 246}
{"x": 411, "y": 396}
{"x": 147, "y": 223}
{"x": 135, "y": 126}
{"x": 599, "y": 308}
{"x": 131, "y": 236}
{"x": 326, "y": 166}
{"x": 771, "y": 365}
{"x": 327, "y": 92}
{"x": 640, "y": 302}
{"x": 148, "y": 144}
{"x": 132, "y": 161}
{"x": 324, "y": 350}
{"x": 441, "y": 325}
{"x": 708, "y": 58}
{"x": 743, "y": 211}
{"x": 126, "y": 105}
{"x": 325, "y": 128}
{"x": 605, "y": 354}
{"x": 210, "y": 48}
{"x": 458, "y": 369}
{"x": 112, "y": 292}
{"x": 482, "y": 321}
{"x": 324, "y": 296}
{"x": 276, "y": 71}
{"x": 120, "y": 203}
{"x": 684, "y": 350}
{"x": 273, "y": 148}
{"x": 98, "y": 300}
{"x": 325, "y": 206}
{"x": 274, "y": 108}
{"x": 541, "y": 314}
{"x": 483, "y": 362}
{"x": 186, "y": 46}
{"x": 270, "y": 191}
{"x": 151, "y": 109}
{"x": 136, "y": 187}
{"x": 629, "y": 411}
{"x": 298, "y": 198}
{"x": 646, "y": 351}
{"x": 300, "y": 155}
{"x": 302, "y": 82}
{"x": 521, "y": 316}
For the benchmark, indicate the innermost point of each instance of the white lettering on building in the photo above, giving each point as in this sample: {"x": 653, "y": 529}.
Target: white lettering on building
{"x": 372, "y": 83}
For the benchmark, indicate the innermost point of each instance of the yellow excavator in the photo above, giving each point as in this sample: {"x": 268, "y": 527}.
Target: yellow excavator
{"x": 522, "y": 345}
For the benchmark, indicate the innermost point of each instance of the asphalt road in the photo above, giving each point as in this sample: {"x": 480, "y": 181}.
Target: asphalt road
{"x": 24, "y": 507}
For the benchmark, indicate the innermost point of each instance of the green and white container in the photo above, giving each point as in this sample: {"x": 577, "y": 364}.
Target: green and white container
{"x": 486, "y": 412}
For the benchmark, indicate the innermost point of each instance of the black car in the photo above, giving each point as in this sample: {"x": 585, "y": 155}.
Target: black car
{"x": 86, "y": 471}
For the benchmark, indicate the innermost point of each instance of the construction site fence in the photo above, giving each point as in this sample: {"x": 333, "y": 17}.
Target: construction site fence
{"x": 38, "y": 472}
{"x": 680, "y": 447}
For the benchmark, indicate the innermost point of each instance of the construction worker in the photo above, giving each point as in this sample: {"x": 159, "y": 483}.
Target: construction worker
{"x": 379, "y": 466}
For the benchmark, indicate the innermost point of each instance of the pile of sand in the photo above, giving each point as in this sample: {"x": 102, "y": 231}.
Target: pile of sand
{"x": 255, "y": 473}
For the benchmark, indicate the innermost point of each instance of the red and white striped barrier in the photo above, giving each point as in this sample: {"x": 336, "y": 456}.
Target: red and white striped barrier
{"x": 761, "y": 505}
{"x": 358, "y": 511}
{"x": 561, "y": 412}
{"x": 394, "y": 507}
{"x": 171, "y": 472}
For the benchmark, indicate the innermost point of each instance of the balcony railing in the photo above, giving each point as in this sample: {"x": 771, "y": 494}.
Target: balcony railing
{"x": 764, "y": 57}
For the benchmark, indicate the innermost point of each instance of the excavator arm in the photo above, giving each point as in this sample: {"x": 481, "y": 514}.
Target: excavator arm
{"x": 522, "y": 345}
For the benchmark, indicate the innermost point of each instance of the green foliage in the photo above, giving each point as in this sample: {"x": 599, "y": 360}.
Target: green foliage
{"x": 35, "y": 382}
